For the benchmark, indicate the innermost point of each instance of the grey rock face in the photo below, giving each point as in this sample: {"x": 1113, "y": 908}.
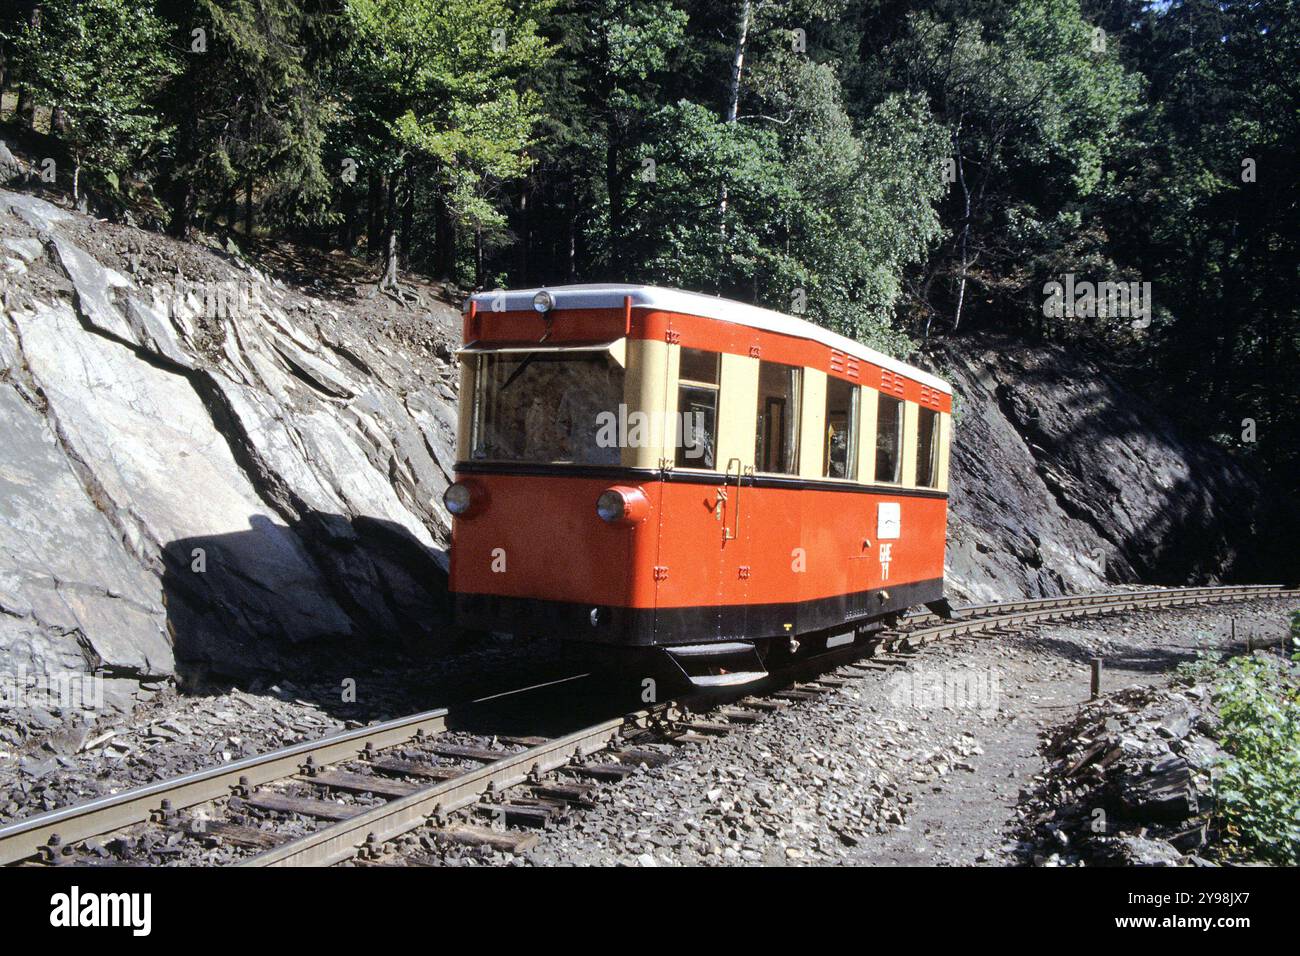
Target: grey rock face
{"x": 63, "y": 572}
{"x": 36, "y": 213}
{"x": 95, "y": 287}
{"x": 10, "y": 167}
{"x": 191, "y": 479}
{"x": 1064, "y": 480}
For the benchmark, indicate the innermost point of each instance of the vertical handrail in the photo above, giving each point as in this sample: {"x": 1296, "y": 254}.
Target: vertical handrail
{"x": 728, "y": 535}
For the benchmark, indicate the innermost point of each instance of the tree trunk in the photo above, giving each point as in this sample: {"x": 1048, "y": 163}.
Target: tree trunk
{"x": 179, "y": 188}
{"x": 408, "y": 215}
{"x": 374, "y": 209}
{"x": 525, "y": 236}
{"x": 924, "y": 298}
{"x": 965, "y": 240}
{"x": 182, "y": 203}
{"x": 738, "y": 62}
{"x": 478, "y": 255}
{"x": 231, "y": 204}
{"x": 348, "y": 228}
{"x": 571, "y": 257}
{"x": 27, "y": 108}
{"x": 26, "y": 101}
{"x": 444, "y": 237}
{"x": 388, "y": 281}
{"x": 614, "y": 189}
{"x": 248, "y": 206}
{"x": 733, "y": 103}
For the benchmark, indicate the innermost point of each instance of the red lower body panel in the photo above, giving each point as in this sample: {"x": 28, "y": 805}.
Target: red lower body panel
{"x": 776, "y": 556}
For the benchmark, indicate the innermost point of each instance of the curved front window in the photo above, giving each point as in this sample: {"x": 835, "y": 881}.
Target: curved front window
{"x": 548, "y": 407}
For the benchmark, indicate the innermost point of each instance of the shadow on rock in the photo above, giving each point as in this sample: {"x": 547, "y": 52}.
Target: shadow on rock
{"x": 279, "y": 600}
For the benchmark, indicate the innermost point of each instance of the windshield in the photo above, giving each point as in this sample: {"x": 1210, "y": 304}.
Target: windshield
{"x": 547, "y": 407}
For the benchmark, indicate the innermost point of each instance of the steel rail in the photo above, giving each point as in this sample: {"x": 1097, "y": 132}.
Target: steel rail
{"x": 341, "y": 841}
{"x": 1086, "y": 607}
{"x": 1242, "y": 591}
{"x": 25, "y": 838}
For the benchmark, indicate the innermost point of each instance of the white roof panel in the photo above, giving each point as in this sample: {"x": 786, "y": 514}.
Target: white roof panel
{"x": 610, "y": 296}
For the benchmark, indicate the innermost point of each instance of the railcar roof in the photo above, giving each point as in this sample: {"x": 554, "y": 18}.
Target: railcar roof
{"x": 610, "y": 296}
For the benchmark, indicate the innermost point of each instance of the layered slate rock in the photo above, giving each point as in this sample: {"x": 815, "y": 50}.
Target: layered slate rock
{"x": 1129, "y": 781}
{"x": 1065, "y": 480}
{"x": 72, "y": 597}
{"x": 204, "y": 471}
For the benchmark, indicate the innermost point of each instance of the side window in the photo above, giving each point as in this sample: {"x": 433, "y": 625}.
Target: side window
{"x": 841, "y": 456}
{"x": 927, "y": 448}
{"x": 776, "y": 445}
{"x": 697, "y": 408}
{"x": 889, "y": 440}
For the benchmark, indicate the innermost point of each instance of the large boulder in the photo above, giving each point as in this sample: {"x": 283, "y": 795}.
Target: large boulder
{"x": 10, "y": 166}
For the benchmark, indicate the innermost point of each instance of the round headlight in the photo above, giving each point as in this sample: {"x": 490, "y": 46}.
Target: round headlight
{"x": 457, "y": 498}
{"x": 610, "y": 506}
{"x": 543, "y": 302}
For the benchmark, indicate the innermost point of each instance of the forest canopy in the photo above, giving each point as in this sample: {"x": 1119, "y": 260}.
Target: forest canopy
{"x": 1118, "y": 174}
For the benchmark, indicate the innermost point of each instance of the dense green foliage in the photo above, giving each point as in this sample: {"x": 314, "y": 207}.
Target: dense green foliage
{"x": 1206, "y": 205}
{"x": 1257, "y": 785}
{"x": 895, "y": 169}
{"x": 431, "y": 92}
{"x": 97, "y": 61}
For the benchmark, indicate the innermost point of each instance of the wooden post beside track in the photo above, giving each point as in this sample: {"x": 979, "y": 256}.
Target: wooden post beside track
{"x": 1096, "y": 678}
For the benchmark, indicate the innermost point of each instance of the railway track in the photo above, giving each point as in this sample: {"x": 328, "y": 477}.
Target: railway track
{"x": 348, "y": 796}
{"x": 1160, "y": 597}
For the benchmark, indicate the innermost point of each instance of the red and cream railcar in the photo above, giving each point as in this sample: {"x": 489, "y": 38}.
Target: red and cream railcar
{"x": 651, "y": 468}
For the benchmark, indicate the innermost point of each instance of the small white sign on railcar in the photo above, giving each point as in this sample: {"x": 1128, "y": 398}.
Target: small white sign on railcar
{"x": 889, "y": 520}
